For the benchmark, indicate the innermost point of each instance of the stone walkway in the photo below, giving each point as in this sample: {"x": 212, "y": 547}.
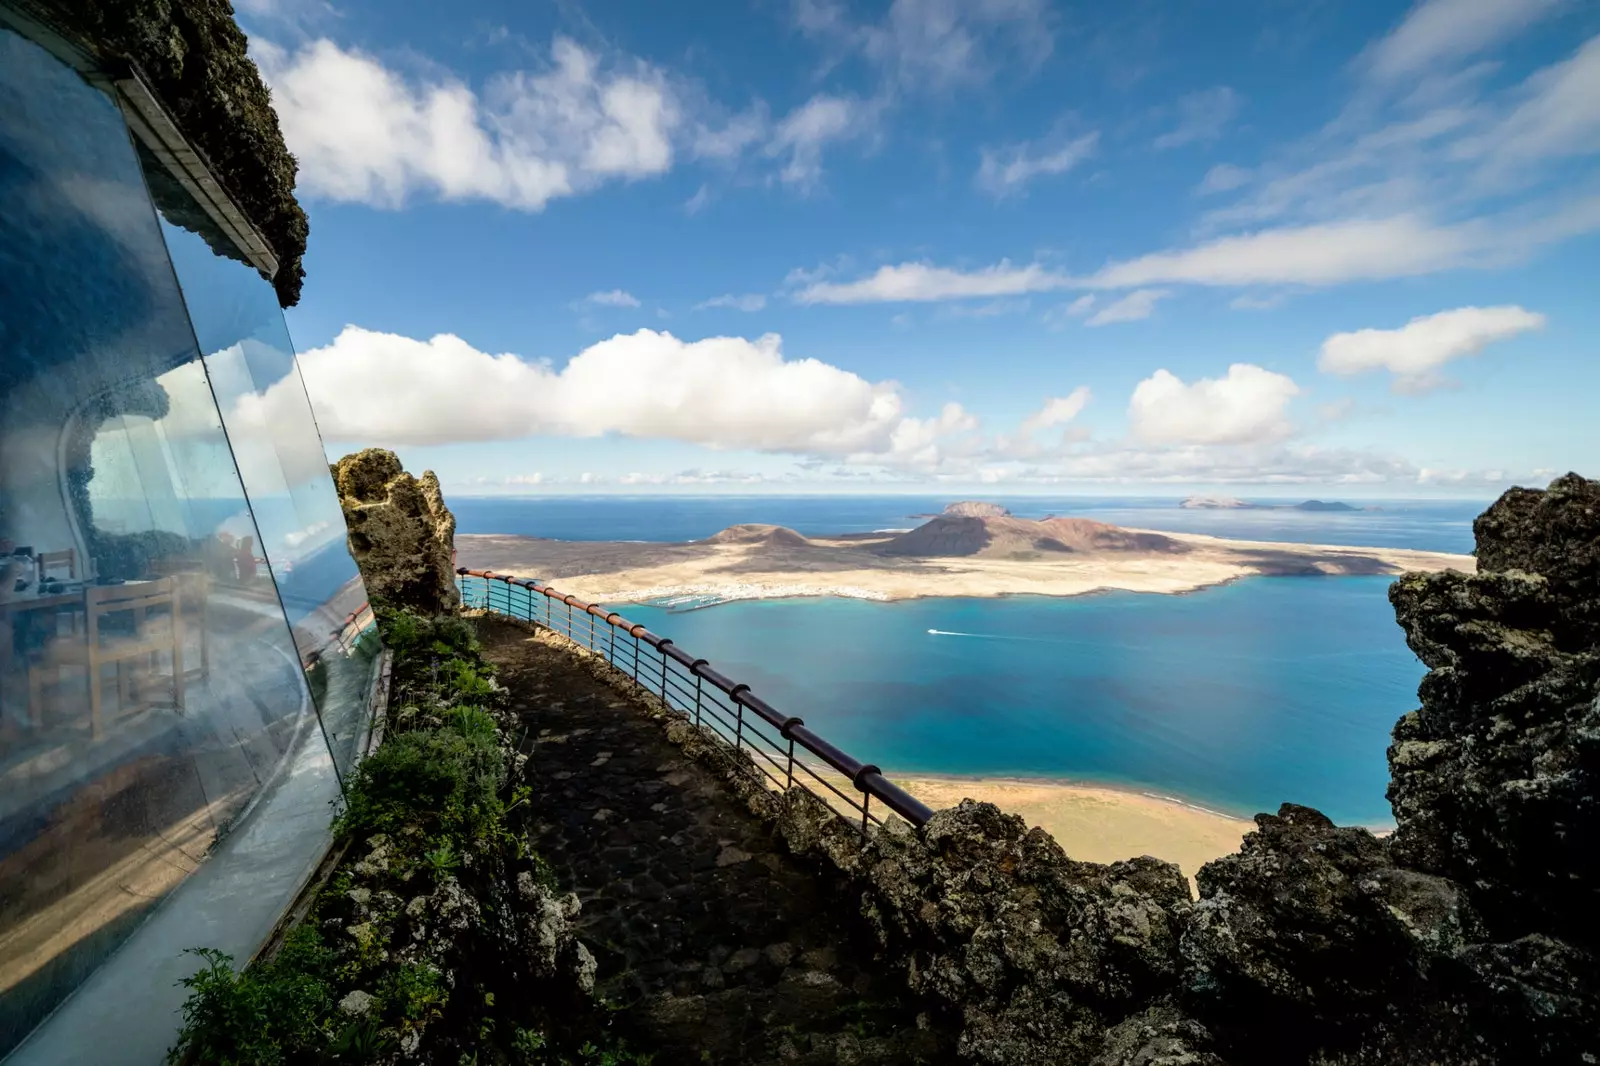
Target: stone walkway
{"x": 717, "y": 945}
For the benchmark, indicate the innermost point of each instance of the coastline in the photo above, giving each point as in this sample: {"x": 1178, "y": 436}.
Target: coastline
{"x": 1095, "y": 822}
{"x": 704, "y": 573}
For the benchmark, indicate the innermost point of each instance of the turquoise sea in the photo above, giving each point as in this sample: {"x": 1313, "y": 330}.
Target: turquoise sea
{"x": 1234, "y": 698}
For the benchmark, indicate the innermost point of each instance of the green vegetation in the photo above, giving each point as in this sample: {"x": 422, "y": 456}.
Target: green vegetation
{"x": 440, "y": 937}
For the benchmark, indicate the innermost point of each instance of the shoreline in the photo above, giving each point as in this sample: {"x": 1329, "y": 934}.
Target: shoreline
{"x": 696, "y": 575}
{"x": 1098, "y": 821}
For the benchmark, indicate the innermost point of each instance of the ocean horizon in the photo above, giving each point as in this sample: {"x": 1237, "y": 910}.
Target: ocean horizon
{"x": 1234, "y": 698}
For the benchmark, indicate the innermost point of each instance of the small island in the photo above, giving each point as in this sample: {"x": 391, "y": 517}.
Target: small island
{"x": 969, "y": 509}
{"x": 1230, "y": 503}
{"x": 949, "y": 555}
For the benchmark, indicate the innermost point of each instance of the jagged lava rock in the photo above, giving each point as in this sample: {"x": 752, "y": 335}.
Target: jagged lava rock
{"x": 1495, "y": 779}
{"x": 400, "y": 532}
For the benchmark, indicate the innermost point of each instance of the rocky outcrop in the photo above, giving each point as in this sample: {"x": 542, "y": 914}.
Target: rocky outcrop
{"x": 401, "y": 533}
{"x": 1469, "y": 936}
{"x": 1465, "y": 938}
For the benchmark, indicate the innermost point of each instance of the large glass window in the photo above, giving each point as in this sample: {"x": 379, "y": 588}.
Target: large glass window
{"x": 150, "y": 689}
{"x": 270, "y": 425}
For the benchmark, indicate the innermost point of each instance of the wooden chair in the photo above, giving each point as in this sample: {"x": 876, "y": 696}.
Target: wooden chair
{"x": 193, "y": 586}
{"x": 48, "y": 561}
{"x": 157, "y": 628}
{"x": 67, "y": 559}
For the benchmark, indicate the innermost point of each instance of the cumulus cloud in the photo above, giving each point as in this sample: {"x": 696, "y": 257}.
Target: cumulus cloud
{"x": 720, "y": 392}
{"x": 362, "y": 132}
{"x": 1141, "y": 303}
{"x": 752, "y": 301}
{"x": 1006, "y": 171}
{"x": 613, "y": 298}
{"x": 1415, "y": 352}
{"x": 1202, "y": 117}
{"x": 1248, "y": 405}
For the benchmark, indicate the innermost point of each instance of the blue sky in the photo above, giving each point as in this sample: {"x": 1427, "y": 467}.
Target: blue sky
{"x": 805, "y": 246}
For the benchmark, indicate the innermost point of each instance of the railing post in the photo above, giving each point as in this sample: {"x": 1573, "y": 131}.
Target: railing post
{"x": 738, "y": 733}
{"x": 611, "y": 645}
{"x": 635, "y": 664}
{"x": 788, "y": 782}
{"x": 866, "y": 801}
{"x": 570, "y": 635}
{"x": 663, "y": 650}
{"x": 699, "y": 683}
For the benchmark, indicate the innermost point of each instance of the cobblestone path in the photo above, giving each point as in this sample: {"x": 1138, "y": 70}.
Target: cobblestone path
{"x": 715, "y": 942}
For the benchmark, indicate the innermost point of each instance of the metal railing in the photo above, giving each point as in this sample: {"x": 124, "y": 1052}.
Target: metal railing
{"x": 780, "y": 746}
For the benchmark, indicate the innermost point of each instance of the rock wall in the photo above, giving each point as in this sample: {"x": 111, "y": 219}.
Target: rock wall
{"x": 1467, "y": 938}
{"x": 194, "y": 57}
{"x": 401, "y": 533}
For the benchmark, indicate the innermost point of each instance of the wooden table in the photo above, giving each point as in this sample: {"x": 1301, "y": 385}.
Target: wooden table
{"x": 9, "y": 612}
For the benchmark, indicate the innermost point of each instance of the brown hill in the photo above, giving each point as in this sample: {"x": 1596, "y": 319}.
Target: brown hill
{"x": 1003, "y": 537}
{"x": 755, "y": 533}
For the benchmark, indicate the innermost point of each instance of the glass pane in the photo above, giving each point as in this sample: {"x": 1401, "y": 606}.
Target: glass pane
{"x": 149, "y": 686}
{"x": 274, "y": 435}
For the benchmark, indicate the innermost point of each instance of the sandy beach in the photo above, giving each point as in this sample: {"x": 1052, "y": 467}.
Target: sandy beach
{"x": 765, "y": 562}
{"x": 1096, "y": 823}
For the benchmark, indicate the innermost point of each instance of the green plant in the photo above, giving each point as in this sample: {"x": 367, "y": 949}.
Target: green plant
{"x": 413, "y": 994}
{"x": 444, "y": 783}
{"x": 442, "y": 861}
{"x": 261, "y": 1017}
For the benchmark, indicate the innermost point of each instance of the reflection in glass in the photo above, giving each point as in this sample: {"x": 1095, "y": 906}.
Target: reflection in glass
{"x": 150, "y": 689}
{"x": 270, "y": 425}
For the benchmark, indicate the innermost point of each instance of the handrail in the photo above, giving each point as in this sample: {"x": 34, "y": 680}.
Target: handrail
{"x": 713, "y": 700}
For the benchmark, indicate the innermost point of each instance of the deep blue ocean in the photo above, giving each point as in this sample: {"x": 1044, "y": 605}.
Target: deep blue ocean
{"x": 1235, "y": 698}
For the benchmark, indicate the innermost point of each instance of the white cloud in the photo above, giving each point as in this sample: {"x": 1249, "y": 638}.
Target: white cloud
{"x": 1554, "y": 117}
{"x": 1138, "y": 304}
{"x": 1081, "y": 305}
{"x": 614, "y": 298}
{"x": 362, "y": 132}
{"x": 1224, "y": 177}
{"x": 720, "y": 392}
{"x": 1415, "y": 352}
{"x": 1245, "y": 407}
{"x": 1437, "y": 32}
{"x": 933, "y": 45}
{"x": 919, "y": 282}
{"x": 1326, "y": 254}
{"x": 753, "y": 301}
{"x": 1253, "y": 302}
{"x": 1007, "y": 170}
{"x": 696, "y": 203}
{"x": 1057, "y": 411}
{"x": 1202, "y": 116}
{"x": 733, "y": 136}
{"x": 800, "y": 138}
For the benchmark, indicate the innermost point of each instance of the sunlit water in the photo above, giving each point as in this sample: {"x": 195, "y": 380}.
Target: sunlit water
{"x": 1235, "y": 698}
